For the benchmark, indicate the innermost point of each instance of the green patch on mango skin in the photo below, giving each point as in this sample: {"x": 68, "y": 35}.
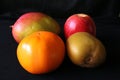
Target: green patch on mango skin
{"x": 45, "y": 24}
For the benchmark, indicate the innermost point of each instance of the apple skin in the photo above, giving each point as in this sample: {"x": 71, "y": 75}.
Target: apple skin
{"x": 79, "y": 23}
{"x": 85, "y": 50}
{"x": 31, "y": 22}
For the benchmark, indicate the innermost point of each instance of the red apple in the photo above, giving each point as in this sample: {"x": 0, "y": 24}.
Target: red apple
{"x": 79, "y": 23}
{"x": 31, "y": 22}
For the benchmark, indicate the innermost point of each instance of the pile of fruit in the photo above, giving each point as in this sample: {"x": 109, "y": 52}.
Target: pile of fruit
{"x": 41, "y": 49}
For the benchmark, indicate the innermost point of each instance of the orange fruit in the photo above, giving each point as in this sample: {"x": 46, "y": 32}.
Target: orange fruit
{"x": 41, "y": 52}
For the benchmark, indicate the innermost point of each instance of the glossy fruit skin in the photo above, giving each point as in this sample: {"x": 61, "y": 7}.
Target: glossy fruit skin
{"x": 31, "y": 22}
{"x": 85, "y": 50}
{"x": 41, "y": 52}
{"x": 79, "y": 23}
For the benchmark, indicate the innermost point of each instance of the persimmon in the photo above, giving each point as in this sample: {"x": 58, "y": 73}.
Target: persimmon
{"x": 41, "y": 52}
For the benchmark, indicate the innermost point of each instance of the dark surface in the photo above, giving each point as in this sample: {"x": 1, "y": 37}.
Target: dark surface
{"x": 108, "y": 31}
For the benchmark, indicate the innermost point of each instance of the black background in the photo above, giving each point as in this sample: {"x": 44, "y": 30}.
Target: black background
{"x": 105, "y": 14}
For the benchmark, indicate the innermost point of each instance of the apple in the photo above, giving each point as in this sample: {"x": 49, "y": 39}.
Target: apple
{"x": 31, "y": 22}
{"x": 79, "y": 23}
{"x": 85, "y": 50}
